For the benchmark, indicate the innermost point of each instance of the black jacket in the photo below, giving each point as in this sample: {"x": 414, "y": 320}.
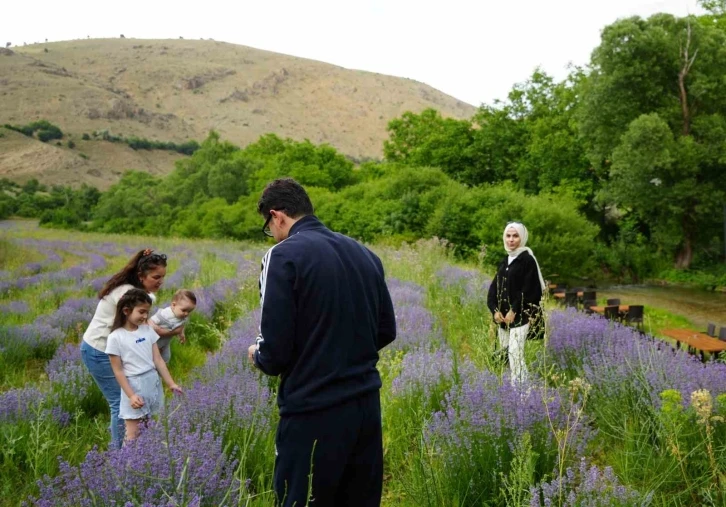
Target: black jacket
{"x": 516, "y": 286}
{"x": 326, "y": 312}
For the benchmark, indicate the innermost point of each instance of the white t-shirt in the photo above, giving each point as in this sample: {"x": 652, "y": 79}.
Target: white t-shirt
{"x": 100, "y": 326}
{"x": 134, "y": 348}
{"x": 166, "y": 319}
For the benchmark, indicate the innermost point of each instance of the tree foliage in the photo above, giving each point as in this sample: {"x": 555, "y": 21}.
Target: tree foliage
{"x": 653, "y": 120}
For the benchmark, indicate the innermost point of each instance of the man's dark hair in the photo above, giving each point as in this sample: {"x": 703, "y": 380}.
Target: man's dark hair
{"x": 285, "y": 194}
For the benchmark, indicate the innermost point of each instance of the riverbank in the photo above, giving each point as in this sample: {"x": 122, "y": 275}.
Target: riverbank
{"x": 672, "y": 306}
{"x": 711, "y": 279}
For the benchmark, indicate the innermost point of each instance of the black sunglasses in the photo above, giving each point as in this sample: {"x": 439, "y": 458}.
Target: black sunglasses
{"x": 266, "y": 228}
{"x": 155, "y": 257}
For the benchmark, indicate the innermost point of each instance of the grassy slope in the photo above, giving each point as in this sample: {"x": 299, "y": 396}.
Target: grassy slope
{"x": 175, "y": 90}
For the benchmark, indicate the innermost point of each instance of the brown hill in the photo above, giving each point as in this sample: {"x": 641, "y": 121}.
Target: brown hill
{"x": 176, "y": 90}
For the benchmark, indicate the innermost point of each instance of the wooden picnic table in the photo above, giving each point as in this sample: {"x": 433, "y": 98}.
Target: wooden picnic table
{"x": 697, "y": 340}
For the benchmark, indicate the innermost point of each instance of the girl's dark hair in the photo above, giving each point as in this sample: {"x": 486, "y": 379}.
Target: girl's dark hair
{"x": 130, "y": 300}
{"x": 285, "y": 194}
{"x": 143, "y": 262}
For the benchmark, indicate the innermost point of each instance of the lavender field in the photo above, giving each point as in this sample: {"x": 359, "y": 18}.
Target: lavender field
{"x": 608, "y": 418}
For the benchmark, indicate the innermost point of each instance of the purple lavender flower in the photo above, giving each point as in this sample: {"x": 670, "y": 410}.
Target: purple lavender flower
{"x": 618, "y": 361}
{"x": 35, "y": 336}
{"x": 415, "y": 327}
{"x": 72, "y": 314}
{"x": 208, "y": 298}
{"x": 19, "y": 404}
{"x": 14, "y": 307}
{"x": 484, "y": 417}
{"x": 70, "y": 382}
{"x": 474, "y": 284}
{"x": 187, "y": 271}
{"x": 95, "y": 262}
{"x": 182, "y": 454}
{"x": 164, "y": 466}
{"x": 405, "y": 293}
{"x": 586, "y": 486}
{"x": 423, "y": 371}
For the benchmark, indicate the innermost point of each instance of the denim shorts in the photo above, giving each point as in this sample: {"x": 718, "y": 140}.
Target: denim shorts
{"x": 148, "y": 386}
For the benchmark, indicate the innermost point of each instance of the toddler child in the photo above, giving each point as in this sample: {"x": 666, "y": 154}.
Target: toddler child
{"x": 171, "y": 320}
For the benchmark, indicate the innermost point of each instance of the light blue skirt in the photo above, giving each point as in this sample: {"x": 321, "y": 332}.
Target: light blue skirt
{"x": 148, "y": 386}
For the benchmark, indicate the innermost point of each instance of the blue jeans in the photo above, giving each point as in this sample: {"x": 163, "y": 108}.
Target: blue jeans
{"x": 99, "y": 366}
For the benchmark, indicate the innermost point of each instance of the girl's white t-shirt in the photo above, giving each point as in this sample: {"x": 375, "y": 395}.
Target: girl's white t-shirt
{"x": 135, "y": 348}
{"x": 100, "y": 326}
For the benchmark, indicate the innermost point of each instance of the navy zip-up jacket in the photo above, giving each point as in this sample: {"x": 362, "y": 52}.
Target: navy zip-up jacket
{"x": 326, "y": 312}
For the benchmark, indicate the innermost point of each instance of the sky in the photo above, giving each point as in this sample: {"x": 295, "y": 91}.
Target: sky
{"x": 474, "y": 50}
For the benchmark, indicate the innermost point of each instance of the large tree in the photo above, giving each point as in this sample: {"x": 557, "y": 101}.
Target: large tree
{"x": 653, "y": 120}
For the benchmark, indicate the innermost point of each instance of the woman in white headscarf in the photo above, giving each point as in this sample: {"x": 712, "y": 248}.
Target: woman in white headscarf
{"x": 514, "y": 297}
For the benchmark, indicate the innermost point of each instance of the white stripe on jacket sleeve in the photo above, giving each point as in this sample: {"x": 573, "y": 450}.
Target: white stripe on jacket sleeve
{"x": 263, "y": 280}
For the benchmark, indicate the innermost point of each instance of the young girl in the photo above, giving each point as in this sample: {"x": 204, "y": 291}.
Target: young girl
{"x": 135, "y": 360}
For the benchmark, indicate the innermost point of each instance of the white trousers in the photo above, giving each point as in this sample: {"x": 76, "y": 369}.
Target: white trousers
{"x": 513, "y": 340}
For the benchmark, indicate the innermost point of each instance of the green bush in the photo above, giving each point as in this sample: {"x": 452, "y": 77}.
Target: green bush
{"x": 71, "y": 144}
{"x": 7, "y": 206}
{"x": 46, "y": 130}
{"x": 86, "y": 137}
{"x": 562, "y": 239}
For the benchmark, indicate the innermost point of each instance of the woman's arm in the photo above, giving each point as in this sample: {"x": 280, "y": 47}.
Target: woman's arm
{"x": 118, "y": 372}
{"x": 165, "y": 333}
{"x": 164, "y": 371}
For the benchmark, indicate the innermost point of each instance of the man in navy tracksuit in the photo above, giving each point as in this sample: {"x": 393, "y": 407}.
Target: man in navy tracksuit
{"x": 326, "y": 312}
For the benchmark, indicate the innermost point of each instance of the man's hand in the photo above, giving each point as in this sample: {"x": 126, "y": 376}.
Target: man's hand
{"x": 251, "y": 354}
{"x": 509, "y": 318}
{"x": 498, "y": 318}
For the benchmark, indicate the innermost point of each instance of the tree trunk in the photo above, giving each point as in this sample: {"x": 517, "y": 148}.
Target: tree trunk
{"x": 686, "y": 130}
{"x": 685, "y": 254}
{"x": 682, "y": 74}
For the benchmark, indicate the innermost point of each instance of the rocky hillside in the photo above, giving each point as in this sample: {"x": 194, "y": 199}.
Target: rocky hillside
{"x": 176, "y": 90}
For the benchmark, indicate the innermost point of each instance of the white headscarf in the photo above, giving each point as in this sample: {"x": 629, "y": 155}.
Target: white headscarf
{"x": 523, "y": 236}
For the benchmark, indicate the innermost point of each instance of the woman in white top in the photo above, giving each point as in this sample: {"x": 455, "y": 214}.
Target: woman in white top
{"x": 146, "y": 270}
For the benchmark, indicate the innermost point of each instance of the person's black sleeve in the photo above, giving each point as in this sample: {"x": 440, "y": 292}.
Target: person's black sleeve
{"x": 277, "y": 326}
{"x": 492, "y": 302}
{"x": 532, "y": 290}
{"x": 386, "y": 319}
